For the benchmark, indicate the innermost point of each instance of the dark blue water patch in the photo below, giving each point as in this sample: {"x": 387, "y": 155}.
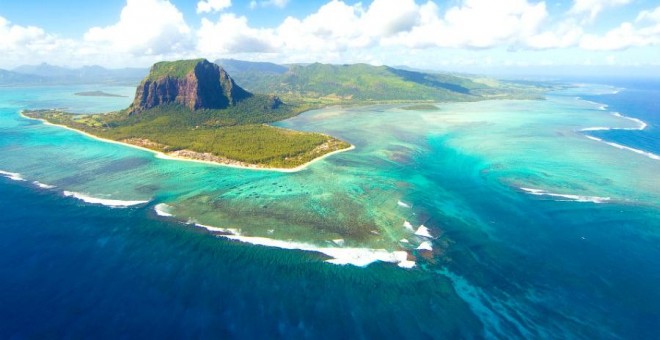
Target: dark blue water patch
{"x": 72, "y": 270}
{"x": 639, "y": 99}
{"x": 646, "y": 140}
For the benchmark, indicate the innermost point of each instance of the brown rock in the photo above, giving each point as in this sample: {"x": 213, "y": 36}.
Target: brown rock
{"x": 195, "y": 84}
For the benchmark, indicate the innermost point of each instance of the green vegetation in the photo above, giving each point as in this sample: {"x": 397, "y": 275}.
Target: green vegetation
{"x": 175, "y": 69}
{"x": 233, "y": 136}
{"x": 322, "y": 84}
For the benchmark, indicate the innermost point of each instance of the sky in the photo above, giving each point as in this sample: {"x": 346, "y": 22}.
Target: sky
{"x": 429, "y": 34}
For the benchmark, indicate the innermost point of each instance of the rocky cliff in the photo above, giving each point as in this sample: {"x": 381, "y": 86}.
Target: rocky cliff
{"x": 195, "y": 84}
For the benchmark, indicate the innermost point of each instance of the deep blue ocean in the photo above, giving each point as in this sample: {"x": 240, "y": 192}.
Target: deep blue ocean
{"x": 640, "y": 98}
{"x": 513, "y": 266}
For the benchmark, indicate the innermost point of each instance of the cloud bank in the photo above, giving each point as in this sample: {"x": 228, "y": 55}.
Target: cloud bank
{"x": 149, "y": 30}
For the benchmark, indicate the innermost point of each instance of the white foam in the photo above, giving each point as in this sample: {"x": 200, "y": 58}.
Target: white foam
{"x": 102, "y": 201}
{"x": 43, "y": 186}
{"x": 623, "y": 147}
{"x": 340, "y": 242}
{"x": 406, "y": 264}
{"x": 576, "y": 198}
{"x": 596, "y": 128}
{"x": 14, "y": 176}
{"x": 231, "y": 231}
{"x": 162, "y": 209}
{"x": 403, "y": 204}
{"x": 408, "y": 226}
{"x": 423, "y": 231}
{"x": 360, "y": 257}
{"x": 641, "y": 124}
{"x": 426, "y": 245}
{"x": 403, "y": 240}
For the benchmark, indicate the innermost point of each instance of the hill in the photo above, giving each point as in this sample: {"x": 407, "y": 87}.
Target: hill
{"x": 362, "y": 83}
{"x": 15, "y": 78}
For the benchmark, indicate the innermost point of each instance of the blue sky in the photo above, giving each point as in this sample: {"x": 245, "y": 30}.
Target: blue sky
{"x": 452, "y": 35}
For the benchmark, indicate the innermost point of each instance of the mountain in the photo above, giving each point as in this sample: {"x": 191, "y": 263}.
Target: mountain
{"x": 15, "y": 78}
{"x": 53, "y": 75}
{"x": 363, "y": 83}
{"x": 44, "y": 70}
{"x": 195, "y": 84}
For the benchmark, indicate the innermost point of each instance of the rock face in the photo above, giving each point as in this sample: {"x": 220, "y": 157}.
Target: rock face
{"x": 195, "y": 84}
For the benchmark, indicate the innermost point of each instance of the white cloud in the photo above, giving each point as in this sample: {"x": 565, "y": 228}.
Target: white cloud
{"x": 484, "y": 23}
{"x": 14, "y": 37}
{"x": 145, "y": 27}
{"x": 31, "y": 44}
{"x": 652, "y": 16}
{"x": 334, "y": 27}
{"x": 591, "y": 8}
{"x": 208, "y": 6}
{"x": 474, "y": 24}
{"x": 565, "y": 34}
{"x": 388, "y": 17}
{"x": 644, "y": 32}
{"x": 231, "y": 34}
{"x": 378, "y": 31}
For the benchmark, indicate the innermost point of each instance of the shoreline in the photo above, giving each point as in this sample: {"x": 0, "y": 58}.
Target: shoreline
{"x": 162, "y": 155}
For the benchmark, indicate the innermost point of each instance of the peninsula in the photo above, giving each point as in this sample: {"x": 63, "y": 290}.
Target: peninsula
{"x": 193, "y": 109}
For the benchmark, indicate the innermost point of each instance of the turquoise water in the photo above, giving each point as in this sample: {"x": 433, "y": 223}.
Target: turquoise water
{"x": 536, "y": 230}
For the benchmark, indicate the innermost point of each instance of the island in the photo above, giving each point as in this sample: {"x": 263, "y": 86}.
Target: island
{"x": 96, "y": 94}
{"x": 193, "y": 110}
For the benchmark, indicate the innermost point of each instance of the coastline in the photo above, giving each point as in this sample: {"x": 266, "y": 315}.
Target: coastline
{"x": 162, "y": 155}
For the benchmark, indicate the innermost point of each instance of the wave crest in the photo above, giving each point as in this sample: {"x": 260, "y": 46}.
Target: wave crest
{"x": 570, "y": 197}
{"x": 14, "y": 176}
{"x": 102, "y": 201}
{"x": 163, "y": 209}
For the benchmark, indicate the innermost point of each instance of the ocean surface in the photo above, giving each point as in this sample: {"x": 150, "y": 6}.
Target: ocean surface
{"x": 495, "y": 219}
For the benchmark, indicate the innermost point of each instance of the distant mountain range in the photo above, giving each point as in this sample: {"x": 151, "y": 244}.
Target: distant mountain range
{"x": 46, "y": 74}
{"x": 363, "y": 83}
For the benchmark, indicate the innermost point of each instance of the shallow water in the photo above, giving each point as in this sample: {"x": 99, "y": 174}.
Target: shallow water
{"x": 537, "y": 230}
